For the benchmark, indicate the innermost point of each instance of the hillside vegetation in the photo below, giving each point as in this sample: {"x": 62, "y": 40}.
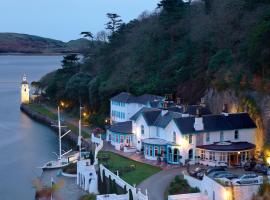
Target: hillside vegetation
{"x": 181, "y": 48}
{"x": 23, "y": 43}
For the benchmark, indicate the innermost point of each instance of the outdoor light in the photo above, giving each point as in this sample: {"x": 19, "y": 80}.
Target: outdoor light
{"x": 84, "y": 114}
{"x": 62, "y": 103}
{"x": 268, "y": 160}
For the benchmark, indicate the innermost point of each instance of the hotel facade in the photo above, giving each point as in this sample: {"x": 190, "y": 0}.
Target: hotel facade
{"x": 177, "y": 134}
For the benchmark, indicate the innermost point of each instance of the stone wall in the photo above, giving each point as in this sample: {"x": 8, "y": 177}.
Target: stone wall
{"x": 216, "y": 99}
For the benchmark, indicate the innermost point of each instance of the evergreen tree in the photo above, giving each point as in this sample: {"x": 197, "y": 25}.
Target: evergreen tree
{"x": 114, "y": 22}
{"x": 70, "y": 60}
{"x": 110, "y": 188}
{"x": 130, "y": 195}
{"x": 100, "y": 184}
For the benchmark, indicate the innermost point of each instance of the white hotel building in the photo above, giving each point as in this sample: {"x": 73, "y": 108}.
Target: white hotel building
{"x": 179, "y": 134}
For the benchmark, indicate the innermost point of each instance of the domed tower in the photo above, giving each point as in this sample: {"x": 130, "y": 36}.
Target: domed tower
{"x": 25, "y": 91}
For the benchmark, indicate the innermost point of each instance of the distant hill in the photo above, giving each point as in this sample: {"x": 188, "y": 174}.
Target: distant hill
{"x": 23, "y": 43}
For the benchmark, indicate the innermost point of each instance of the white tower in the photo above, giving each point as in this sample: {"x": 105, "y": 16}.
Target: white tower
{"x": 25, "y": 91}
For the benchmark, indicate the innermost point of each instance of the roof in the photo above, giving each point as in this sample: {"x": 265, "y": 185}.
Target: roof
{"x": 122, "y": 127}
{"x": 143, "y": 99}
{"x": 191, "y": 110}
{"x": 216, "y": 123}
{"x": 228, "y": 146}
{"x": 150, "y": 115}
{"x": 156, "y": 141}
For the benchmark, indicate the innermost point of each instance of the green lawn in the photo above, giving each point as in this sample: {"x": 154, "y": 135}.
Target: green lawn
{"x": 40, "y": 109}
{"x": 141, "y": 171}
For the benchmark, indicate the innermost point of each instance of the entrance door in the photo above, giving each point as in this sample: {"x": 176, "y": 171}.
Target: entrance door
{"x": 128, "y": 140}
{"x": 233, "y": 159}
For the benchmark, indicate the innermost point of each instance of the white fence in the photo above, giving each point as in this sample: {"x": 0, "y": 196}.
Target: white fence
{"x": 137, "y": 195}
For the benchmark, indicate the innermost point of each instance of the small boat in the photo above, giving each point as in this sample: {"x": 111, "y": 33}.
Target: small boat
{"x": 55, "y": 164}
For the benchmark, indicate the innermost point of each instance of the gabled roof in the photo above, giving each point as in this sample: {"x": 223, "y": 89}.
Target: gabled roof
{"x": 216, "y": 123}
{"x": 122, "y": 127}
{"x": 163, "y": 120}
{"x": 126, "y": 97}
{"x": 191, "y": 110}
{"x": 149, "y": 114}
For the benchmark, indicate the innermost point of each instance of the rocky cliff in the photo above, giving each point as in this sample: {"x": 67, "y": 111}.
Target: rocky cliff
{"x": 256, "y": 104}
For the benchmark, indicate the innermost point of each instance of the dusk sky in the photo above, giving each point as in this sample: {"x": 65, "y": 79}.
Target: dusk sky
{"x": 65, "y": 19}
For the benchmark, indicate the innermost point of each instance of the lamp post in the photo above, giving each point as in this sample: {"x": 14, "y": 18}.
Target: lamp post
{"x": 80, "y": 132}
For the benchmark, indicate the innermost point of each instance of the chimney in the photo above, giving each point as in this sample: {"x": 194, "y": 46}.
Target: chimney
{"x": 178, "y": 101}
{"x": 225, "y": 110}
{"x": 202, "y": 103}
{"x": 198, "y": 124}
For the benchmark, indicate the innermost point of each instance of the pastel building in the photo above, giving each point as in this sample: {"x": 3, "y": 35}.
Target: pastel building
{"x": 125, "y": 105}
{"x": 181, "y": 134}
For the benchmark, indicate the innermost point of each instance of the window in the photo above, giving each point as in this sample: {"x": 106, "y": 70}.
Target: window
{"x": 117, "y": 138}
{"x": 221, "y": 136}
{"x": 236, "y": 134}
{"x": 222, "y": 157}
{"x": 176, "y": 155}
{"x": 211, "y": 155}
{"x": 156, "y": 151}
{"x": 151, "y": 151}
{"x": 202, "y": 154}
{"x": 146, "y": 150}
{"x": 174, "y": 137}
{"x": 190, "y": 154}
{"x": 190, "y": 139}
{"x": 207, "y": 137}
{"x": 142, "y": 130}
{"x": 162, "y": 151}
{"x": 121, "y": 139}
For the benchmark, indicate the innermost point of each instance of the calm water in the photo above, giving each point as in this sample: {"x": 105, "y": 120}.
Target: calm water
{"x": 24, "y": 144}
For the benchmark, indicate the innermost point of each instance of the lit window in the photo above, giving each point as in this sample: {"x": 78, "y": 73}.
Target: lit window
{"x": 202, "y": 154}
{"x": 156, "y": 151}
{"x": 236, "y": 134}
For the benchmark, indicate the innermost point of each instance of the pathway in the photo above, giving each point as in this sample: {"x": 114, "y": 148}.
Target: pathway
{"x": 69, "y": 190}
{"x": 157, "y": 184}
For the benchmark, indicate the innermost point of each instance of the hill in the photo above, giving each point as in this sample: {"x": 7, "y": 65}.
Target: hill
{"x": 23, "y": 43}
{"x": 183, "y": 48}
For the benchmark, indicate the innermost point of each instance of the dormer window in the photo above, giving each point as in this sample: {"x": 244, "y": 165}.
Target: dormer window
{"x": 236, "y": 134}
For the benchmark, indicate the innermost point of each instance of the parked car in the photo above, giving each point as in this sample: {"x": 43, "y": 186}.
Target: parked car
{"x": 196, "y": 171}
{"x": 227, "y": 175}
{"x": 247, "y": 179}
{"x": 249, "y": 166}
{"x": 262, "y": 168}
{"x": 216, "y": 173}
{"x": 214, "y": 169}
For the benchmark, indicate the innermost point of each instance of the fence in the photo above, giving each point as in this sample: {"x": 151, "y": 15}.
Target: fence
{"x": 137, "y": 195}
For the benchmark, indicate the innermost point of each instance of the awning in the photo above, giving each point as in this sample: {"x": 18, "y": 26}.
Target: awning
{"x": 155, "y": 141}
{"x": 228, "y": 146}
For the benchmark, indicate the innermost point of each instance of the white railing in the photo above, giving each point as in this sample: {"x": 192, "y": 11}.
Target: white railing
{"x": 137, "y": 195}
{"x": 99, "y": 146}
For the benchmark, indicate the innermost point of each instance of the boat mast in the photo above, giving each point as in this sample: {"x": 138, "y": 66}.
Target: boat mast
{"x": 59, "y": 133}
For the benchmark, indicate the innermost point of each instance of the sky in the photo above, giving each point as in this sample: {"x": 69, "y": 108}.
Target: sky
{"x": 65, "y": 19}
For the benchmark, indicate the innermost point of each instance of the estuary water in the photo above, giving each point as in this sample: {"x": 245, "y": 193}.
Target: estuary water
{"x": 24, "y": 143}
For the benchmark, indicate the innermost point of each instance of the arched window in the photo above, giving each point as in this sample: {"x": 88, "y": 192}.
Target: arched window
{"x": 175, "y": 155}
{"x": 156, "y": 151}
{"x": 190, "y": 154}
{"x": 142, "y": 130}
{"x": 174, "y": 137}
{"x": 151, "y": 151}
{"x": 170, "y": 154}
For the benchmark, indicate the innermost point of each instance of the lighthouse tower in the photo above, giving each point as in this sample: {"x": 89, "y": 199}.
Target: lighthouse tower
{"x": 25, "y": 96}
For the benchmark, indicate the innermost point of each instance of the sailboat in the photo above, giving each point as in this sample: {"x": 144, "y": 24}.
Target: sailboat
{"x": 63, "y": 158}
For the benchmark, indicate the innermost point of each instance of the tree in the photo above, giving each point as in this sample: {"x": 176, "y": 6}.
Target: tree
{"x": 88, "y": 34}
{"x": 70, "y": 60}
{"x": 114, "y": 22}
{"x": 102, "y": 36}
{"x": 130, "y": 194}
{"x": 36, "y": 85}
